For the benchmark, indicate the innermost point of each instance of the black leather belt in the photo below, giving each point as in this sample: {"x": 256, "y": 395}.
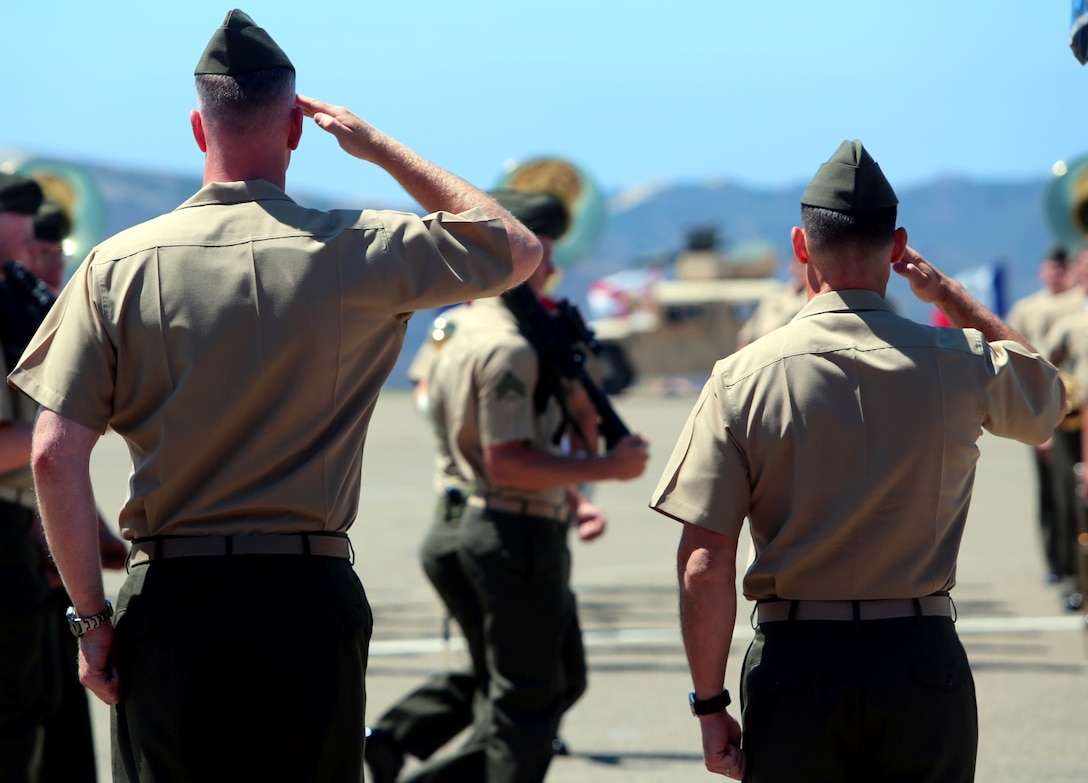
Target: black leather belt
{"x": 881, "y": 609}
{"x": 166, "y": 547}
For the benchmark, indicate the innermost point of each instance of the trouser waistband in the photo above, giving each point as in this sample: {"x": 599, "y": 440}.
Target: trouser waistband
{"x": 165, "y": 547}
{"x": 524, "y": 506}
{"x": 774, "y": 611}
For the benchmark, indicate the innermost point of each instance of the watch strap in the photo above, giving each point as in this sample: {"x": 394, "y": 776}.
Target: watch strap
{"x": 709, "y": 706}
{"x": 81, "y": 625}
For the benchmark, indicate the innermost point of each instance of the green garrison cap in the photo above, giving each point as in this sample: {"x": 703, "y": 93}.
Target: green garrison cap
{"x": 851, "y": 181}
{"x": 19, "y": 194}
{"x": 51, "y": 223}
{"x": 240, "y": 46}
{"x": 542, "y": 213}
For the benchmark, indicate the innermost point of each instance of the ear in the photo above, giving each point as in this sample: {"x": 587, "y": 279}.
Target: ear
{"x": 295, "y": 134}
{"x": 800, "y": 244}
{"x": 899, "y": 245}
{"x": 197, "y": 124}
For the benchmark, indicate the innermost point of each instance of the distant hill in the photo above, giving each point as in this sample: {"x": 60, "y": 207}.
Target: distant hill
{"x": 955, "y": 222}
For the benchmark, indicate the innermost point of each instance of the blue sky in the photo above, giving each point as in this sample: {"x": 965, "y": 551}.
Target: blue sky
{"x": 636, "y": 93}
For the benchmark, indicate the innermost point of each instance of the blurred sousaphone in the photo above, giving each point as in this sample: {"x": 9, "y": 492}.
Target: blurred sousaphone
{"x": 1067, "y": 203}
{"x": 579, "y": 193}
{"x": 76, "y": 193}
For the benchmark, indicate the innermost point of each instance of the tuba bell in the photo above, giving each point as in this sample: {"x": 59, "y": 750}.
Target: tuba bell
{"x": 78, "y": 196}
{"x": 1067, "y": 202}
{"x": 576, "y": 190}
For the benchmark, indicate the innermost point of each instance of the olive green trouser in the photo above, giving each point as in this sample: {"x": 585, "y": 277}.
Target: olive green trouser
{"x": 859, "y": 701}
{"x": 442, "y": 706}
{"x": 439, "y": 703}
{"x": 519, "y": 568}
{"x": 245, "y": 667}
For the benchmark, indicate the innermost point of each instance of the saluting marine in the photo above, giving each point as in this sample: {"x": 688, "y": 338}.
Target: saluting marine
{"x": 238, "y": 346}
{"x": 846, "y": 438}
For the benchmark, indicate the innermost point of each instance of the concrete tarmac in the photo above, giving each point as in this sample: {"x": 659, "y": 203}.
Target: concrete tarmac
{"x": 1029, "y": 657}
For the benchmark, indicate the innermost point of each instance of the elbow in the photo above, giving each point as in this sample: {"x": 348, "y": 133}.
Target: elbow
{"x": 706, "y": 560}
{"x": 707, "y": 570}
{"x": 45, "y": 461}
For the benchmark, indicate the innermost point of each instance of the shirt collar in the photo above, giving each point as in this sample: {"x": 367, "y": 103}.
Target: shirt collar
{"x": 848, "y": 300}
{"x": 236, "y": 193}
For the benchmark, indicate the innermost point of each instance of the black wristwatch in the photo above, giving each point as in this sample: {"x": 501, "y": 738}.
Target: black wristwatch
{"x": 709, "y": 706}
{"x": 80, "y": 625}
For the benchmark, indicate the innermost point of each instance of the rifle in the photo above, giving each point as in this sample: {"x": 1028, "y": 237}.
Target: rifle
{"x": 562, "y": 340}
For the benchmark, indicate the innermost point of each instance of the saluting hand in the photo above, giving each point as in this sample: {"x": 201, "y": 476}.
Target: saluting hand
{"x": 356, "y": 137}
{"x": 926, "y": 281}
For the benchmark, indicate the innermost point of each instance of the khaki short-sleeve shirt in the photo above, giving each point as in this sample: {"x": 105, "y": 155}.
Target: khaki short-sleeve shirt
{"x": 1068, "y": 338}
{"x": 848, "y": 439}
{"x": 446, "y": 473}
{"x": 1033, "y": 315}
{"x": 481, "y": 388}
{"x": 238, "y": 345}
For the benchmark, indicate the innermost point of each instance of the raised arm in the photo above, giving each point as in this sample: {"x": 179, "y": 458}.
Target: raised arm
{"x": 430, "y": 185}
{"x": 963, "y": 311}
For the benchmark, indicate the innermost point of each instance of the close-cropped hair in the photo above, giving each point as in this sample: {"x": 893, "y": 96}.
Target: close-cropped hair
{"x": 238, "y": 102}
{"x": 825, "y": 228}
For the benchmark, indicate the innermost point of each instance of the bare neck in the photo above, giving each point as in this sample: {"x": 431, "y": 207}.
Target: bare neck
{"x": 246, "y": 164}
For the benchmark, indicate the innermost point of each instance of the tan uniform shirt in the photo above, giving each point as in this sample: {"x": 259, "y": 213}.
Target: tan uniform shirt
{"x": 436, "y": 338}
{"x": 1067, "y": 343}
{"x": 1043, "y": 320}
{"x": 1032, "y": 315}
{"x": 848, "y": 438}
{"x": 481, "y": 389}
{"x": 239, "y": 343}
{"x": 446, "y": 473}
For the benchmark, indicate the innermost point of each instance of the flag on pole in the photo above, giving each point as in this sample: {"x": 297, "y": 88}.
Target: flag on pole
{"x": 1078, "y": 38}
{"x": 987, "y": 284}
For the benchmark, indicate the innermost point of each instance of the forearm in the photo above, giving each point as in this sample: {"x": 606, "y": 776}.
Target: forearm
{"x": 950, "y": 296}
{"x": 706, "y": 566}
{"x": 61, "y": 462}
{"x": 527, "y": 468}
{"x": 965, "y": 312}
{"x": 432, "y": 186}
{"x": 436, "y": 189}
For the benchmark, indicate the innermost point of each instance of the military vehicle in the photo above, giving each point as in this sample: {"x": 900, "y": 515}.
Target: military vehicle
{"x": 670, "y": 322}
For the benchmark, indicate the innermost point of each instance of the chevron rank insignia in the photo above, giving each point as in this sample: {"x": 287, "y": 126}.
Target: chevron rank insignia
{"x": 509, "y": 385}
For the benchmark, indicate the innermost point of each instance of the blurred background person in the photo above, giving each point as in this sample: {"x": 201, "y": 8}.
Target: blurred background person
{"x": 1030, "y": 316}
